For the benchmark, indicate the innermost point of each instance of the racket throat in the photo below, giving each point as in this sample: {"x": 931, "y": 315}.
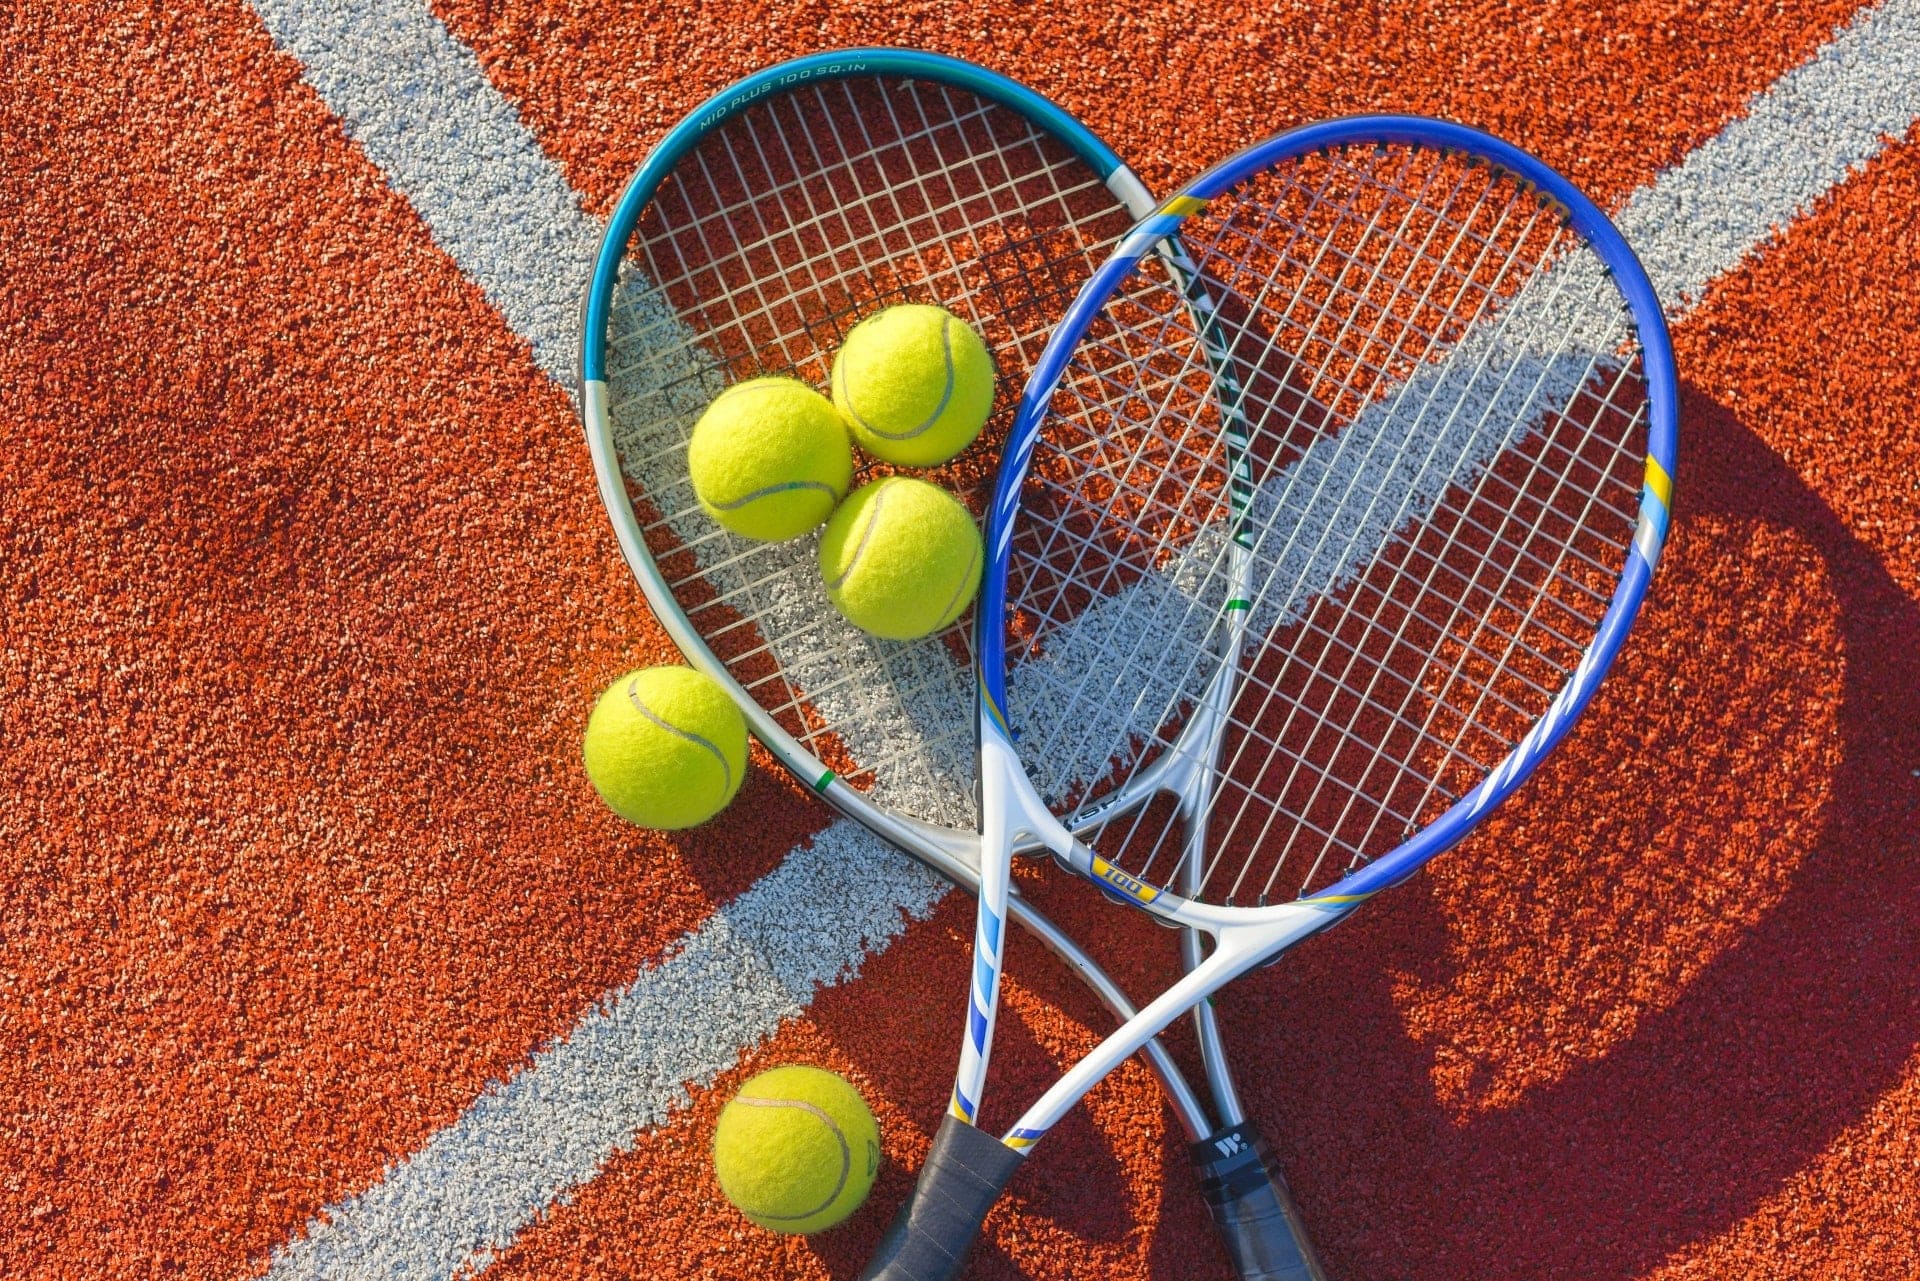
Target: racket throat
{"x": 1188, "y": 772}
{"x": 1239, "y": 947}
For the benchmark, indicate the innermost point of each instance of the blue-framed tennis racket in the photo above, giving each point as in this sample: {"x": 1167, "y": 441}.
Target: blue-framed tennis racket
{"x": 765, "y": 225}
{"x": 1289, "y": 590}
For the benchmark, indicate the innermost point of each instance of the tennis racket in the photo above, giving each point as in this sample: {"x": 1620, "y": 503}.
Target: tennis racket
{"x": 1271, "y": 621}
{"x": 762, "y": 228}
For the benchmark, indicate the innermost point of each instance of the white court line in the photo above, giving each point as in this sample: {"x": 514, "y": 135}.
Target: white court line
{"x": 524, "y": 1145}
{"x": 419, "y": 104}
{"x": 1811, "y": 130}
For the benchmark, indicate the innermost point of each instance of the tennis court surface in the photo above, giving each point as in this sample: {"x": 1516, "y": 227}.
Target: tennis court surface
{"x": 319, "y": 957}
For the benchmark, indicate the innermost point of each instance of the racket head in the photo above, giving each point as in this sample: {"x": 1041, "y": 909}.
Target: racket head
{"x": 774, "y": 217}
{"x": 1046, "y": 201}
{"x": 1340, "y": 553}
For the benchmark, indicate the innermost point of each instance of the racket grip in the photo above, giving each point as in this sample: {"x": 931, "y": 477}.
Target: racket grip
{"x": 1251, "y": 1207}
{"x": 930, "y": 1237}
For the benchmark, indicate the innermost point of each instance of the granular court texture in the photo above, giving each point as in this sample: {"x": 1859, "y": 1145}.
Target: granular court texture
{"x": 318, "y": 956}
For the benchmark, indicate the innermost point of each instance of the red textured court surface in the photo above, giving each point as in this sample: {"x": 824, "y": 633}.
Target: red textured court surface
{"x": 305, "y": 593}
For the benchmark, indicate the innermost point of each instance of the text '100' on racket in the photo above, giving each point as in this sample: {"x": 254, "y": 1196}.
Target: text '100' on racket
{"x": 1299, "y": 563}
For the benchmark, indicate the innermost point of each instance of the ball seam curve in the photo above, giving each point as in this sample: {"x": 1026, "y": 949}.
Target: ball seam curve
{"x": 946, "y": 395}
{"x": 726, "y": 770}
{"x": 833, "y": 1128}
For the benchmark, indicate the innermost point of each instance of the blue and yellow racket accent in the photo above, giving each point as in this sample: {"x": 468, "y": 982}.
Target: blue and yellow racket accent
{"x": 1127, "y": 887}
{"x": 991, "y": 706}
{"x": 1157, "y": 226}
{"x": 1336, "y": 900}
{"x": 1656, "y": 503}
{"x": 1021, "y": 1140}
{"x": 982, "y": 1000}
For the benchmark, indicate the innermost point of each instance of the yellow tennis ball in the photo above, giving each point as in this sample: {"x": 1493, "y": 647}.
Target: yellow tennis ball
{"x": 666, "y": 747}
{"x": 901, "y": 558}
{"x": 915, "y": 384}
{"x": 770, "y": 459}
{"x": 796, "y": 1150}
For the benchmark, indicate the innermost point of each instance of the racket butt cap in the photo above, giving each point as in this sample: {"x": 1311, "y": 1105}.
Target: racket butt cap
{"x": 931, "y": 1236}
{"x": 1252, "y": 1208}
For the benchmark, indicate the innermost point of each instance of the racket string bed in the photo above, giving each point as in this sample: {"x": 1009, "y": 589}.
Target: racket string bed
{"x": 1471, "y": 724}
{"x": 1342, "y": 341}
{"x": 785, "y": 227}
{"x": 1322, "y": 290}
{"x": 853, "y": 254}
{"x": 1363, "y": 698}
{"x": 1529, "y": 624}
{"x": 1235, "y": 344}
{"x": 1511, "y": 624}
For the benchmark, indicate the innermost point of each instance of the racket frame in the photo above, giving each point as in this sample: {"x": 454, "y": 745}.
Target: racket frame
{"x": 954, "y": 854}
{"x": 1244, "y": 937}
{"x": 1260, "y": 1223}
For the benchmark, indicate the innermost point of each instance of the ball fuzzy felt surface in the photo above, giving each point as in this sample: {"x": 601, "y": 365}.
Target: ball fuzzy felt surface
{"x": 770, "y": 459}
{"x": 666, "y": 747}
{"x": 915, "y": 384}
{"x": 797, "y": 1149}
{"x": 901, "y": 558}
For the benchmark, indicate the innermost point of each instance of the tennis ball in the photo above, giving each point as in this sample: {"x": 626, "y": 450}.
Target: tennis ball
{"x": 901, "y": 558}
{"x": 914, "y": 383}
{"x": 770, "y": 459}
{"x": 796, "y": 1150}
{"x": 666, "y": 747}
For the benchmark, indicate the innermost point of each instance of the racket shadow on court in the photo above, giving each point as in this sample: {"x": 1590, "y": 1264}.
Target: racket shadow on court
{"x": 1787, "y": 1006}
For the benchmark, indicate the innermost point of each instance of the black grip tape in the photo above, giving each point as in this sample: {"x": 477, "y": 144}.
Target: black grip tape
{"x": 1250, "y": 1205}
{"x": 930, "y": 1237}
